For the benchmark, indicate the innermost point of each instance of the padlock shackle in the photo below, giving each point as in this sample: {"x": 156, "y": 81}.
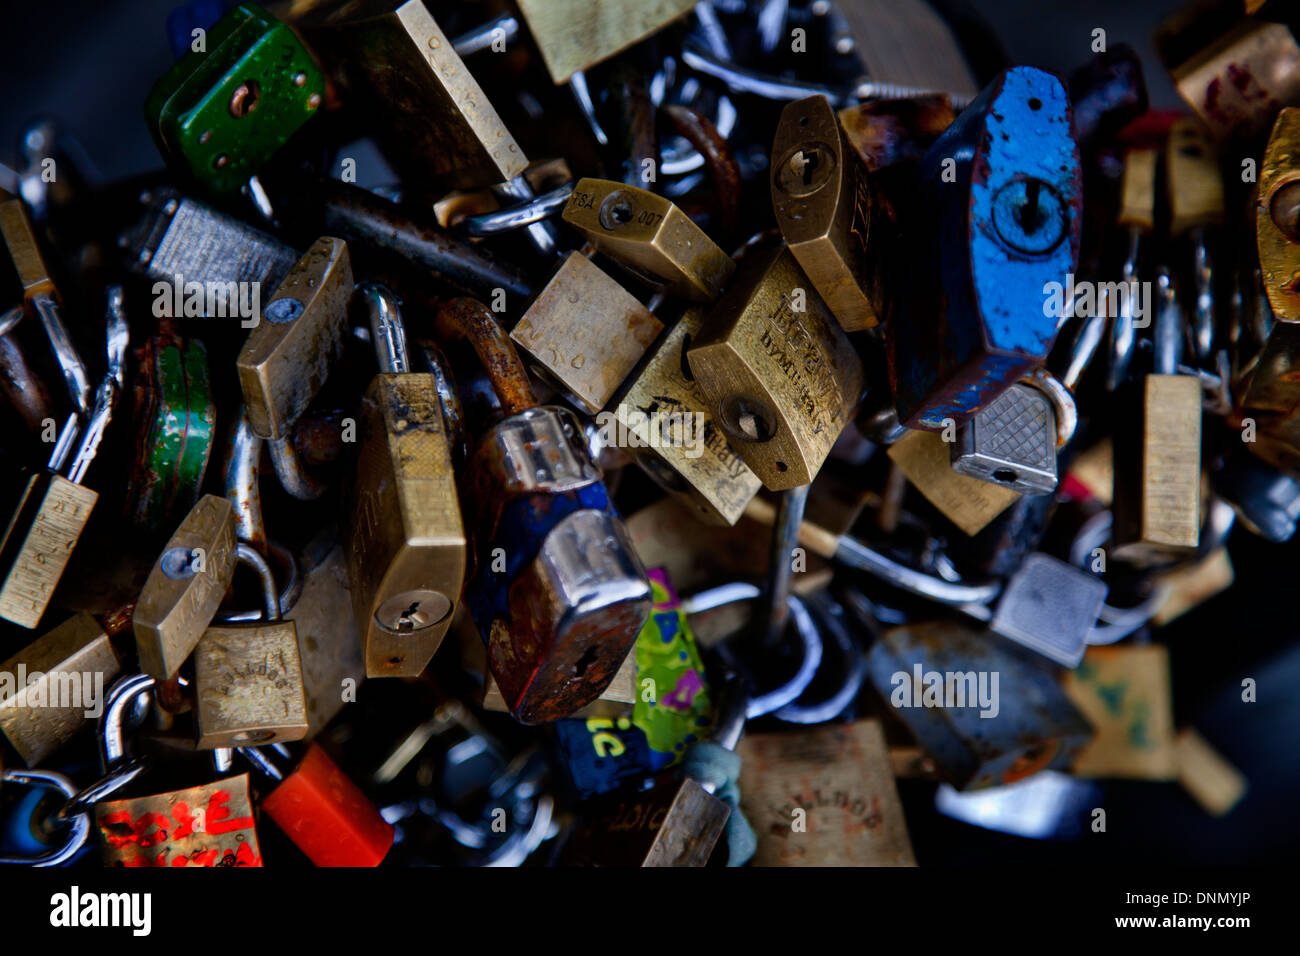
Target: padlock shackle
{"x": 1168, "y": 334}
{"x": 724, "y": 172}
{"x": 470, "y": 320}
{"x": 242, "y": 472}
{"x": 387, "y": 331}
{"x": 122, "y": 697}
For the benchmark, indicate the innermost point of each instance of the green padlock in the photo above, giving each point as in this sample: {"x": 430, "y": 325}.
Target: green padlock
{"x": 223, "y": 111}
{"x": 176, "y": 420}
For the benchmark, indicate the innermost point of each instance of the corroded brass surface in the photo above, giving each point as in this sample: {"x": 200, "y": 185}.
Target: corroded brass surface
{"x": 248, "y": 685}
{"x": 284, "y": 362}
{"x": 780, "y": 374}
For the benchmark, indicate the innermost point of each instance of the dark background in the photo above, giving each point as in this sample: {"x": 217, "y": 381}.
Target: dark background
{"x": 91, "y": 63}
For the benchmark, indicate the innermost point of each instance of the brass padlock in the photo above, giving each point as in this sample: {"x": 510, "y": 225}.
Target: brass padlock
{"x": 586, "y": 332}
{"x": 574, "y": 35}
{"x": 299, "y": 337}
{"x": 434, "y": 112}
{"x": 1125, "y": 692}
{"x": 248, "y": 677}
{"x": 1157, "y": 503}
{"x": 407, "y": 555}
{"x": 823, "y": 203}
{"x": 925, "y": 459}
{"x": 780, "y": 375}
{"x": 185, "y": 587}
{"x": 677, "y": 440}
{"x": 649, "y": 236}
{"x": 824, "y": 796}
{"x": 1238, "y": 80}
{"x": 53, "y": 688}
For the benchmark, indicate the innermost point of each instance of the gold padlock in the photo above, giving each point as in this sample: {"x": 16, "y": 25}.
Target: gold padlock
{"x": 248, "y": 677}
{"x": 1192, "y": 176}
{"x": 780, "y": 374}
{"x": 434, "y": 111}
{"x": 649, "y": 236}
{"x": 1237, "y": 81}
{"x": 574, "y": 35}
{"x": 1125, "y": 693}
{"x": 185, "y": 587}
{"x": 53, "y": 688}
{"x": 824, "y": 796}
{"x": 299, "y": 337}
{"x": 406, "y": 558}
{"x": 823, "y": 204}
{"x": 675, "y": 437}
{"x": 1157, "y": 504}
{"x": 586, "y": 332}
{"x": 925, "y": 459}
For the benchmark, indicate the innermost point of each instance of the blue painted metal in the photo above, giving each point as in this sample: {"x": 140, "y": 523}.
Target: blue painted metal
{"x": 1000, "y": 218}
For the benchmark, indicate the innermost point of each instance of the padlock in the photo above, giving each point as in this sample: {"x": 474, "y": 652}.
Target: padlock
{"x": 185, "y": 587}
{"x": 1272, "y": 394}
{"x": 650, "y": 237}
{"x": 557, "y": 593}
{"x": 323, "y": 812}
{"x": 1238, "y": 79}
{"x": 290, "y": 352}
{"x": 574, "y": 36}
{"x": 824, "y": 207}
{"x": 1011, "y": 441}
{"x": 987, "y": 712}
{"x": 207, "y": 825}
{"x": 50, "y": 689}
{"x": 1195, "y": 189}
{"x": 52, "y": 510}
{"x": 780, "y": 374}
{"x": 671, "y": 710}
{"x": 1124, "y": 691}
{"x": 677, "y": 440}
{"x": 407, "y": 556}
{"x": 1157, "y": 503}
{"x": 998, "y": 220}
{"x": 175, "y": 429}
{"x": 248, "y": 677}
{"x": 1212, "y": 781}
{"x": 586, "y": 332}
{"x": 672, "y": 824}
{"x": 1049, "y": 607}
{"x": 221, "y": 113}
{"x": 183, "y": 243}
{"x": 328, "y": 641}
{"x": 435, "y": 116}
{"x": 969, "y": 503}
{"x": 824, "y": 796}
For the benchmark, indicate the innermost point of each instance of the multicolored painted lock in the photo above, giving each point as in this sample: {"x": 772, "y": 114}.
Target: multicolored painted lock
{"x": 223, "y": 112}
{"x": 999, "y": 222}
{"x": 671, "y": 712}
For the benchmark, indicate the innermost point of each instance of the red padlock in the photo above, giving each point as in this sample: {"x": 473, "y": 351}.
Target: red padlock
{"x": 323, "y": 812}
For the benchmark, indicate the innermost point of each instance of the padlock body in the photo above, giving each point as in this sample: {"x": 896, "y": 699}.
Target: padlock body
{"x": 248, "y": 685}
{"x": 63, "y": 676}
{"x": 327, "y": 816}
{"x": 677, "y": 438}
{"x": 1011, "y": 442}
{"x": 780, "y": 374}
{"x": 211, "y": 825}
{"x": 38, "y": 543}
{"x": 999, "y": 219}
{"x": 220, "y": 114}
{"x": 407, "y": 556}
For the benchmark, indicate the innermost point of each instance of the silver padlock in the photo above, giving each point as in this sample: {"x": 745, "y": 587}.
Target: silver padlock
{"x": 1011, "y": 442}
{"x": 1050, "y": 607}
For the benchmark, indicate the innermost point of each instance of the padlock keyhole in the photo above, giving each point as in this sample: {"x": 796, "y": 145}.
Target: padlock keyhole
{"x": 244, "y": 99}
{"x": 406, "y": 620}
{"x": 585, "y": 661}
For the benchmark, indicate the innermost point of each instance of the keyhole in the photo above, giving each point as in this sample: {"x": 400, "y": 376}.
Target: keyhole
{"x": 805, "y": 163}
{"x": 1285, "y": 210}
{"x": 1028, "y": 215}
{"x": 406, "y": 620}
{"x": 244, "y": 100}
{"x": 586, "y": 660}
